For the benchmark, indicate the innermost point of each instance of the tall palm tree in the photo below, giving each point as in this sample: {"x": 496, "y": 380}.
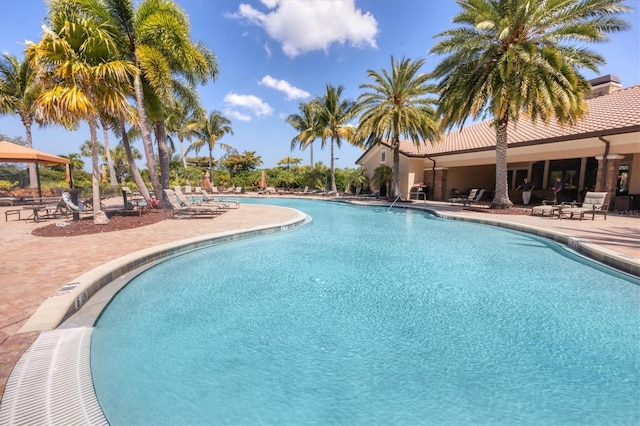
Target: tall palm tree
{"x": 182, "y": 121}
{"x": 19, "y": 88}
{"x": 155, "y": 38}
{"x": 334, "y": 114}
{"x": 397, "y": 104}
{"x": 209, "y": 133}
{"x": 75, "y": 59}
{"x": 305, "y": 122}
{"x": 105, "y": 125}
{"x": 521, "y": 57}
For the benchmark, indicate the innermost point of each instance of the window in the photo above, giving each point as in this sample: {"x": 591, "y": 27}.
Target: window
{"x": 383, "y": 157}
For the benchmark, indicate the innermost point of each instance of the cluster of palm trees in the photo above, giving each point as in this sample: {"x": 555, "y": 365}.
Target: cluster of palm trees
{"x": 505, "y": 59}
{"x": 113, "y": 65}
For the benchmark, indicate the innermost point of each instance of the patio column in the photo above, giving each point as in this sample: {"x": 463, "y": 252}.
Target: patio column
{"x": 606, "y": 179}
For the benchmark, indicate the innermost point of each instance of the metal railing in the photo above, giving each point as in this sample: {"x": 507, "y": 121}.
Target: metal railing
{"x": 418, "y": 194}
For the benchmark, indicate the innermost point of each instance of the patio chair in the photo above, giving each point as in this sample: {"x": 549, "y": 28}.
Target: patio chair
{"x": 208, "y": 199}
{"x": 594, "y": 202}
{"x": 238, "y": 190}
{"x": 549, "y": 208}
{"x": 475, "y": 200}
{"x": 179, "y": 209}
{"x": 464, "y": 199}
{"x": 374, "y": 194}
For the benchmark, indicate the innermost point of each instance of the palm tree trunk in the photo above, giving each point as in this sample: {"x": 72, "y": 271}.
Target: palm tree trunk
{"x": 135, "y": 173}
{"x": 33, "y": 178}
{"x": 333, "y": 171}
{"x": 95, "y": 166}
{"x": 163, "y": 153}
{"x": 107, "y": 153}
{"x": 501, "y": 196}
{"x": 184, "y": 158}
{"x": 311, "y": 152}
{"x": 147, "y": 143}
{"x": 395, "y": 180}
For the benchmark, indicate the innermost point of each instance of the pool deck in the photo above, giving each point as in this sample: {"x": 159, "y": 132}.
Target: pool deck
{"x": 33, "y": 268}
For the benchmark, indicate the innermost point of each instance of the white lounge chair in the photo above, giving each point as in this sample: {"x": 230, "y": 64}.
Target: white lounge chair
{"x": 594, "y": 202}
{"x": 181, "y": 209}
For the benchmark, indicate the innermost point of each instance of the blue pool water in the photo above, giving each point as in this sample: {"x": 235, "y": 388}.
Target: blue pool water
{"x": 373, "y": 317}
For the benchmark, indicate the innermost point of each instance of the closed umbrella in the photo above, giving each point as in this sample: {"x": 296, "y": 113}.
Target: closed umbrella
{"x": 263, "y": 180}
{"x": 104, "y": 174}
{"x": 207, "y": 181}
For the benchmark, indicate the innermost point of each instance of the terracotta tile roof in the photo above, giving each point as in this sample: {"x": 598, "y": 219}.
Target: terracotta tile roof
{"x": 618, "y": 112}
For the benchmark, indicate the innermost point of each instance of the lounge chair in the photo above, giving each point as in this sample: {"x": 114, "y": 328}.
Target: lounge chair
{"x": 475, "y": 200}
{"x": 374, "y": 194}
{"x": 459, "y": 200}
{"x": 179, "y": 209}
{"x": 549, "y": 208}
{"x": 268, "y": 190}
{"x": 238, "y": 190}
{"x": 594, "y": 202}
{"x": 229, "y": 190}
{"x": 209, "y": 199}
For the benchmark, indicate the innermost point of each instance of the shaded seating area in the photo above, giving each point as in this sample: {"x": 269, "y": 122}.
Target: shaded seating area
{"x": 593, "y": 203}
{"x": 179, "y": 209}
{"x": 461, "y": 198}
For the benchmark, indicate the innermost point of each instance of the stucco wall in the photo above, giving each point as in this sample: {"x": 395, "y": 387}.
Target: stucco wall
{"x": 465, "y": 178}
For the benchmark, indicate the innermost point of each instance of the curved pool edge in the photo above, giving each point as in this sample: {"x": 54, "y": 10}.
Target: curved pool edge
{"x": 580, "y": 245}
{"x": 52, "y": 381}
{"x": 73, "y": 295}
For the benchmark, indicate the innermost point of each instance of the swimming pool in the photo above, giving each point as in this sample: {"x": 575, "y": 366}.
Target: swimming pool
{"x": 372, "y": 317}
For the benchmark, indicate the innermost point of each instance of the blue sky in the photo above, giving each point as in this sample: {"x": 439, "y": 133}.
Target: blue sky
{"x": 274, "y": 54}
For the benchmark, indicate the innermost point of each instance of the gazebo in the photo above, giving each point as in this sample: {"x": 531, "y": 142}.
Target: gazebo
{"x": 14, "y": 153}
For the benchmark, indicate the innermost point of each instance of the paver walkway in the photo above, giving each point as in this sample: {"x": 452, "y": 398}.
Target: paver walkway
{"x": 34, "y": 268}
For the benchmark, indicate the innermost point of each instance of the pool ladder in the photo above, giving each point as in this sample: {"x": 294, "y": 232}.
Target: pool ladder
{"x": 409, "y": 194}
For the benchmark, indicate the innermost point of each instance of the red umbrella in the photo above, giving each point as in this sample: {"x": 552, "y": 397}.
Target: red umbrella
{"x": 263, "y": 180}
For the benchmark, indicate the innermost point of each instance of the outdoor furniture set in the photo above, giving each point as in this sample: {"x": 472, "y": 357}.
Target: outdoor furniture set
{"x": 593, "y": 203}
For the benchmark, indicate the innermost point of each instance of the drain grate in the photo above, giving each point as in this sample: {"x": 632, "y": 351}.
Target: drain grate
{"x": 52, "y": 384}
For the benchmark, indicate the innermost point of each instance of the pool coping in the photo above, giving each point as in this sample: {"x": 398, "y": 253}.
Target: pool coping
{"x": 580, "y": 245}
{"x": 73, "y": 295}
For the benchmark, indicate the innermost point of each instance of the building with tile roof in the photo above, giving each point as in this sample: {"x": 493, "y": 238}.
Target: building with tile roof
{"x": 601, "y": 152}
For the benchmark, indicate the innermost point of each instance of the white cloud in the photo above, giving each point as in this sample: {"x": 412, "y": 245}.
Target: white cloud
{"x": 249, "y": 102}
{"x": 285, "y": 87}
{"x": 303, "y": 26}
{"x": 236, "y": 115}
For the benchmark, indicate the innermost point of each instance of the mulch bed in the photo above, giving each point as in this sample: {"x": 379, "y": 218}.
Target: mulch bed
{"x": 118, "y": 221}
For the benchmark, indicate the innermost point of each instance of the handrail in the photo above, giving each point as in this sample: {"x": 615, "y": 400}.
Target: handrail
{"x": 418, "y": 193}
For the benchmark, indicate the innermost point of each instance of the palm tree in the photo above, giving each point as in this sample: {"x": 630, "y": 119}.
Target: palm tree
{"x": 182, "y": 121}
{"x": 397, "y": 104}
{"x": 19, "y": 88}
{"x": 75, "y": 60}
{"x": 155, "y": 38}
{"x": 520, "y": 57}
{"x": 383, "y": 176}
{"x": 210, "y": 131}
{"x": 305, "y": 122}
{"x": 334, "y": 114}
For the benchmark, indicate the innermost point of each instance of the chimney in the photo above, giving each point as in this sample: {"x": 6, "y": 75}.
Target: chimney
{"x": 604, "y": 85}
